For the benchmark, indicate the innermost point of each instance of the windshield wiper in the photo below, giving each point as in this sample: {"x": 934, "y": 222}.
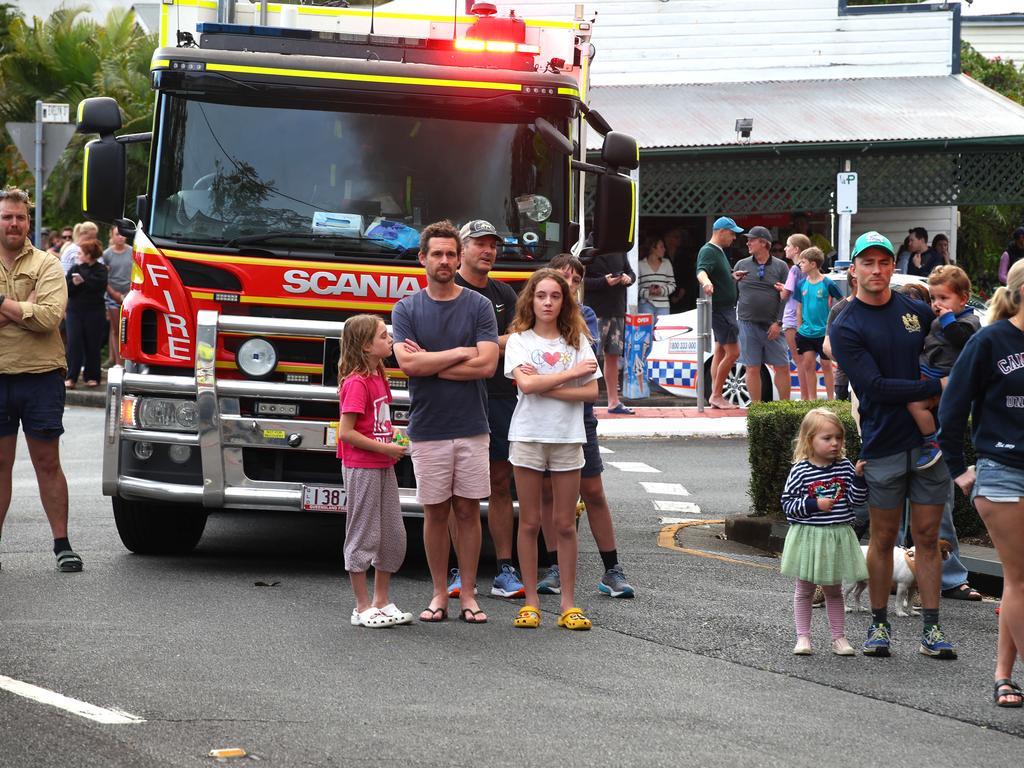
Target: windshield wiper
{"x": 264, "y": 236}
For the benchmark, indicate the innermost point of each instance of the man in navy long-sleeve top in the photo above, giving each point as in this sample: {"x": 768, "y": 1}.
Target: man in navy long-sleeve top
{"x": 877, "y": 341}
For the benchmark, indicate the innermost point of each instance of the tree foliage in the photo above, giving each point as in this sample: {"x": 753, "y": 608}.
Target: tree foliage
{"x": 984, "y": 230}
{"x": 66, "y": 58}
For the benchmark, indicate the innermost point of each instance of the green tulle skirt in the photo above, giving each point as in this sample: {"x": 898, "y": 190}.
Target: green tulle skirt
{"x": 823, "y": 554}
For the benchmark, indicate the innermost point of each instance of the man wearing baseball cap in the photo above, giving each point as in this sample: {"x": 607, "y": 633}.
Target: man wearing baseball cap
{"x": 759, "y": 311}
{"x": 717, "y": 281}
{"x": 480, "y": 244}
{"x": 877, "y": 340}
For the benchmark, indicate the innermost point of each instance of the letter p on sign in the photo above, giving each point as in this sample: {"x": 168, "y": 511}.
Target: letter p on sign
{"x": 846, "y": 192}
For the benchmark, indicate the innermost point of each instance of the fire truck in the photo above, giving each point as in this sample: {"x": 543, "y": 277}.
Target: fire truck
{"x": 294, "y": 161}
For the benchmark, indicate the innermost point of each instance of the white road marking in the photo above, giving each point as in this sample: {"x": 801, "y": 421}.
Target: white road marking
{"x": 634, "y": 466}
{"x": 602, "y": 449}
{"x": 74, "y": 706}
{"x": 683, "y": 507}
{"x": 666, "y": 489}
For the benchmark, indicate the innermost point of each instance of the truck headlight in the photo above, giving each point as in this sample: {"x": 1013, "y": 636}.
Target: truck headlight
{"x": 162, "y": 413}
{"x": 256, "y": 358}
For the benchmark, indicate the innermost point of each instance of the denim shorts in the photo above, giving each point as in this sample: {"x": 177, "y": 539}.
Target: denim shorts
{"x": 36, "y": 401}
{"x": 998, "y": 482}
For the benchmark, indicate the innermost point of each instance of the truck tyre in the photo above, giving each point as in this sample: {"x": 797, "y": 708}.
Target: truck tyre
{"x": 157, "y": 529}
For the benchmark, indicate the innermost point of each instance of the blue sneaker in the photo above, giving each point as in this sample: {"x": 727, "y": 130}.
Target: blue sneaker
{"x": 551, "y": 584}
{"x": 935, "y": 644}
{"x": 878, "y": 640}
{"x": 454, "y": 583}
{"x": 614, "y": 583}
{"x": 507, "y": 583}
{"x": 929, "y": 455}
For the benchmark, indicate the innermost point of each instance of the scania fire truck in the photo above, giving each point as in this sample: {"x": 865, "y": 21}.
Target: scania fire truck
{"x": 293, "y": 163}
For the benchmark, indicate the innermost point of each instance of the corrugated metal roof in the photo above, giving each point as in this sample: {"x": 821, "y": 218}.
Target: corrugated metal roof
{"x": 898, "y": 109}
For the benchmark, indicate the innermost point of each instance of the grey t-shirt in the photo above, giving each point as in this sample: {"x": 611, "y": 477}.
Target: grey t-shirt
{"x": 758, "y": 301}
{"x": 442, "y": 409}
{"x": 119, "y": 267}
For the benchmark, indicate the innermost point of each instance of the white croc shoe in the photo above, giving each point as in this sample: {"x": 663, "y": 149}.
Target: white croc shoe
{"x": 373, "y": 618}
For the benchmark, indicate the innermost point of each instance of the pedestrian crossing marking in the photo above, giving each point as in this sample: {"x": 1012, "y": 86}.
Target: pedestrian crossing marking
{"x": 634, "y": 466}
{"x": 682, "y": 507}
{"x": 666, "y": 489}
{"x": 602, "y": 449}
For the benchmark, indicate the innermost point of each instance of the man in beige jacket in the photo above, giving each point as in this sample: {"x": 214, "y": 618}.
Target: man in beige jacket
{"x": 33, "y": 296}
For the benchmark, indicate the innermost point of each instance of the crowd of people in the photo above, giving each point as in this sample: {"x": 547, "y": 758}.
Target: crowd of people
{"x": 503, "y": 385}
{"x": 97, "y": 279}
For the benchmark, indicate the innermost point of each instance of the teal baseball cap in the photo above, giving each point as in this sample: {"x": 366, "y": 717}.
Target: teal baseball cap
{"x": 724, "y": 222}
{"x": 872, "y": 240}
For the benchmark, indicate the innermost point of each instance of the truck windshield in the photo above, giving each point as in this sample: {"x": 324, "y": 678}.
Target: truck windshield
{"x": 350, "y": 183}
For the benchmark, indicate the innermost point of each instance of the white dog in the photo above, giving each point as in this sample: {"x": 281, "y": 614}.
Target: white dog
{"x": 904, "y": 579}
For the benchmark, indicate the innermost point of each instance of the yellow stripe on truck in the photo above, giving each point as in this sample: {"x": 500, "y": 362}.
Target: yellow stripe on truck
{"x": 387, "y": 79}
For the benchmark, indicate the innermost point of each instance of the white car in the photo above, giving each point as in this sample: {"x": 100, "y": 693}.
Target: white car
{"x": 672, "y": 362}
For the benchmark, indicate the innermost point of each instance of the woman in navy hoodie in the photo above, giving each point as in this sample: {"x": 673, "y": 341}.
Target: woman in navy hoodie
{"x": 987, "y": 382}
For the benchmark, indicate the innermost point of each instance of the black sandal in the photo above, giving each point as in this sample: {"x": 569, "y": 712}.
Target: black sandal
{"x": 436, "y": 615}
{"x": 1011, "y": 690}
{"x": 472, "y": 617}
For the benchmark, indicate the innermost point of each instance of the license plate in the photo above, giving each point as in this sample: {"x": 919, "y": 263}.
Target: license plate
{"x": 323, "y": 498}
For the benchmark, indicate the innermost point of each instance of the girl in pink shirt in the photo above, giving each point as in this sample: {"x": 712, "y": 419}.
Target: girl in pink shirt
{"x": 374, "y": 530}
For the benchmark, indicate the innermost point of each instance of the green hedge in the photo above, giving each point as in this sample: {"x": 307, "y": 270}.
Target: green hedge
{"x": 771, "y": 430}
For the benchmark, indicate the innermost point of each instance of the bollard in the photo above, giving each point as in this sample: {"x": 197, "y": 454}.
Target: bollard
{"x": 703, "y": 347}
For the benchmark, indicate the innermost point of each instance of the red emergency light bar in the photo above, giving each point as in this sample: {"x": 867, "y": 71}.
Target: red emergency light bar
{"x": 495, "y": 46}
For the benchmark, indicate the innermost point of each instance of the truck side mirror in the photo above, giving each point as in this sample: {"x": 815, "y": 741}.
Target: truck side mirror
{"x": 99, "y": 114}
{"x": 620, "y": 150}
{"x": 614, "y": 213}
{"x": 103, "y": 180}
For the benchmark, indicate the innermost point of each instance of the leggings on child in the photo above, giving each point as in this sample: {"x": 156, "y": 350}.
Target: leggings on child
{"x": 833, "y": 607}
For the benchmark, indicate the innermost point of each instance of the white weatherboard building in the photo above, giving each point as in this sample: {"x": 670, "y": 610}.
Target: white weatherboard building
{"x": 995, "y": 28}
{"x": 826, "y": 84}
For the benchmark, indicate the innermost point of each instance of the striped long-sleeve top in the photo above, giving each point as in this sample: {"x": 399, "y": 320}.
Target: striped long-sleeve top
{"x": 807, "y": 483}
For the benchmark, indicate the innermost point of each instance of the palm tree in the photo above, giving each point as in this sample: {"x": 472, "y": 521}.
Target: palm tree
{"x": 67, "y": 58}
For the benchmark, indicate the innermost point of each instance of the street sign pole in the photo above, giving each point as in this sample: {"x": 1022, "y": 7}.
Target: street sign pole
{"x": 846, "y": 206}
{"x": 37, "y": 171}
{"x": 41, "y": 144}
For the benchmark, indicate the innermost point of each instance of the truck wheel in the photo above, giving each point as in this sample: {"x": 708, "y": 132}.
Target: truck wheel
{"x": 157, "y": 529}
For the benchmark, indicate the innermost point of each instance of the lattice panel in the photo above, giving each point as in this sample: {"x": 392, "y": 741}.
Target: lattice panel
{"x": 687, "y": 187}
{"x": 907, "y": 181}
{"x": 672, "y": 187}
{"x": 989, "y": 178}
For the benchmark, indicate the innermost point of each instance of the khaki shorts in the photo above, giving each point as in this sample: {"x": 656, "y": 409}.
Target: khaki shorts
{"x": 557, "y": 457}
{"x": 446, "y": 468}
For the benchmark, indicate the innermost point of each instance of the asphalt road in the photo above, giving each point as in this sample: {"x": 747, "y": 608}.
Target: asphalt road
{"x": 696, "y": 670}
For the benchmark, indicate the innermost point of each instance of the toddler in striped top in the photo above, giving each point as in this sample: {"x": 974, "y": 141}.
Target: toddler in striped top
{"x": 821, "y": 548}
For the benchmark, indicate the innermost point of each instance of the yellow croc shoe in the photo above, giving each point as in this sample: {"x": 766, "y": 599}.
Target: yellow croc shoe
{"x": 573, "y": 618}
{"x": 528, "y": 618}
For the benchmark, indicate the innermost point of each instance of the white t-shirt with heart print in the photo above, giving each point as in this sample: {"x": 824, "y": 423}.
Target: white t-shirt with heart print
{"x": 538, "y": 418}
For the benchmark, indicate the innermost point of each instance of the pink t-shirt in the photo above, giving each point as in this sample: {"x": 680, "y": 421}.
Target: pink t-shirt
{"x": 367, "y": 396}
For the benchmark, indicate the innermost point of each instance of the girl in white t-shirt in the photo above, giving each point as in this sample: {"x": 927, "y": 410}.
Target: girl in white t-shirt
{"x": 549, "y": 355}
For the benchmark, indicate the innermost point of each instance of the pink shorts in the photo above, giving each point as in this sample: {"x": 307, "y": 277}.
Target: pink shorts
{"x": 446, "y": 468}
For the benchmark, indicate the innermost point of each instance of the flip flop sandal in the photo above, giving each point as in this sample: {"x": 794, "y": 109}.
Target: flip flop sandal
{"x": 1010, "y": 689}
{"x": 472, "y": 617}
{"x": 374, "y": 619}
{"x": 400, "y": 616}
{"x": 622, "y": 410}
{"x": 435, "y": 615}
{"x": 963, "y": 592}
{"x": 573, "y": 618}
{"x": 68, "y": 561}
{"x": 528, "y": 618}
